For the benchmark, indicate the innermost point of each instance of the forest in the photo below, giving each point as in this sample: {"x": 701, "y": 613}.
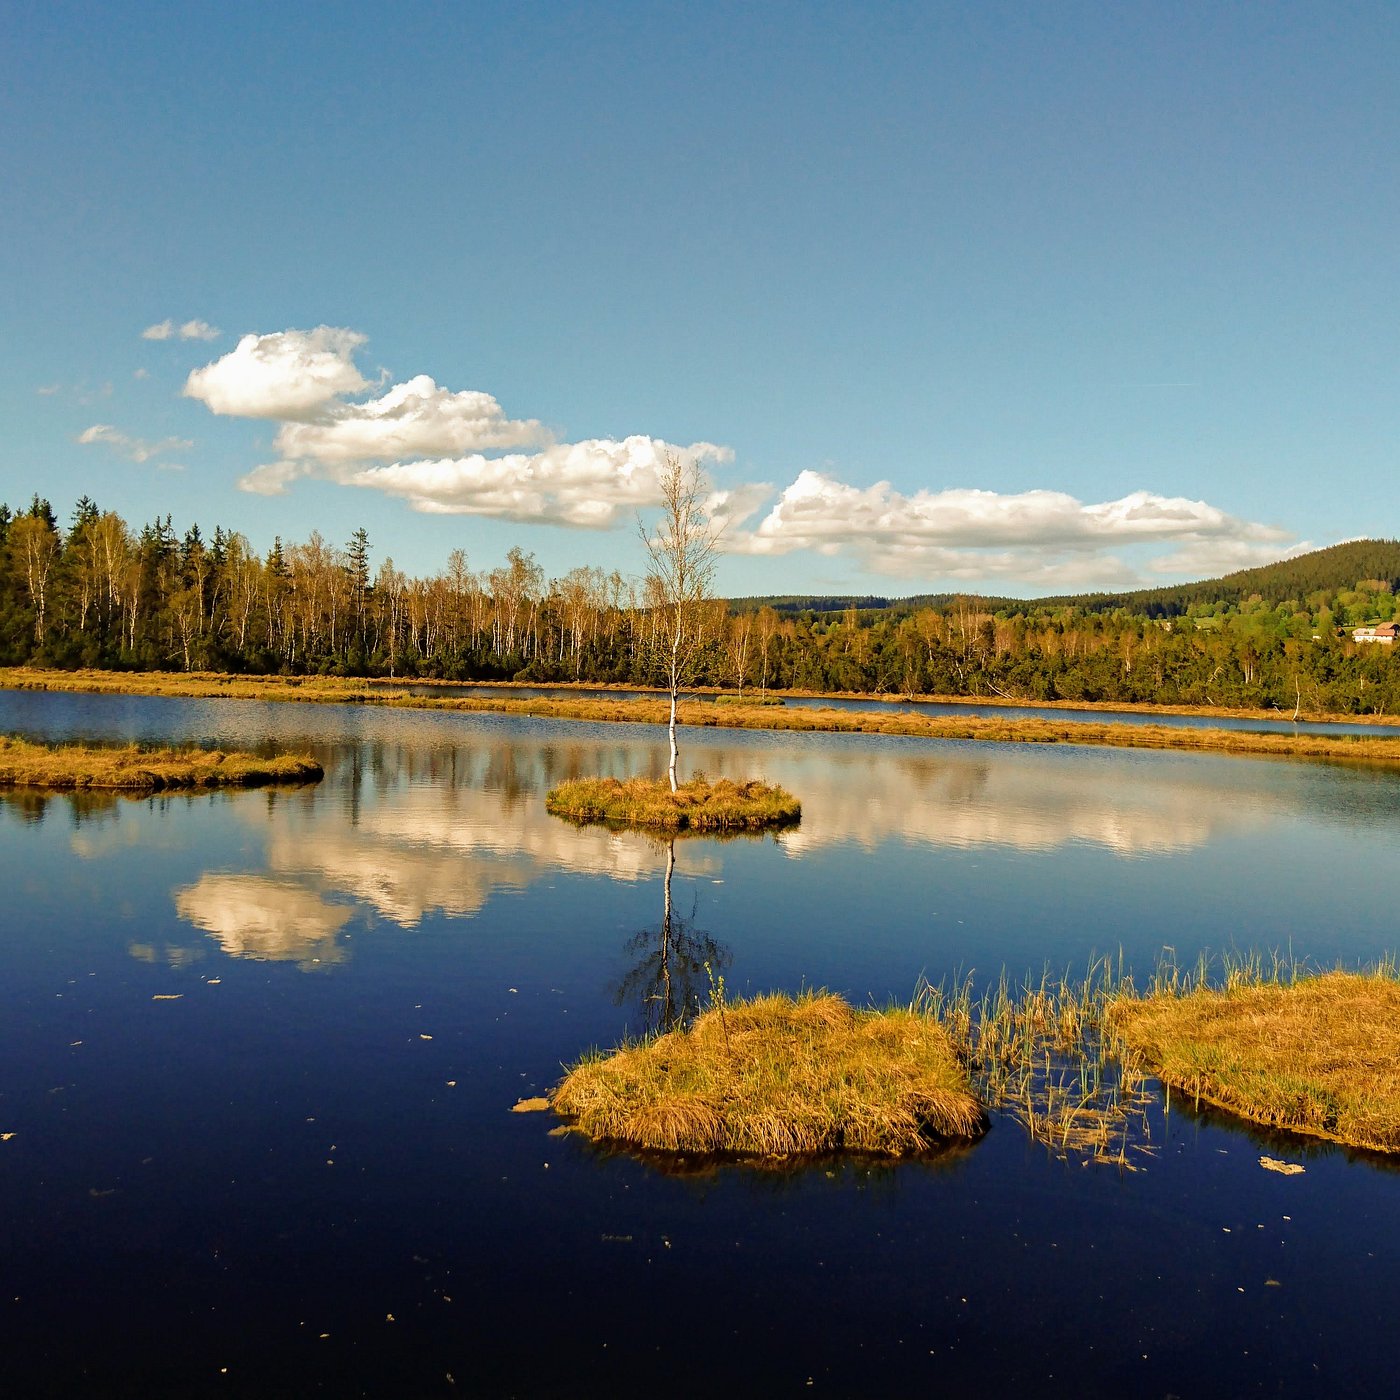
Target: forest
{"x": 95, "y": 592}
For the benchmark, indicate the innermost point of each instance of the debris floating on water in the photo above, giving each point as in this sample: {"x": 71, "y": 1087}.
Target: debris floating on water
{"x": 1273, "y": 1164}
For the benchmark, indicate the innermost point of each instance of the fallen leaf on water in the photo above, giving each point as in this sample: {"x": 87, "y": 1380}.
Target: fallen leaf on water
{"x": 1272, "y": 1164}
{"x": 535, "y": 1105}
{"x": 425, "y": 1037}
{"x": 5, "y": 1137}
{"x": 167, "y": 996}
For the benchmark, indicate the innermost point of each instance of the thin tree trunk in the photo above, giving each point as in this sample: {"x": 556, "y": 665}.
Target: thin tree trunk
{"x": 674, "y": 751}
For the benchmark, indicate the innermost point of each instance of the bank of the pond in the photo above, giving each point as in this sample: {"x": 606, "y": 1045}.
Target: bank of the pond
{"x": 699, "y": 805}
{"x": 697, "y": 714}
{"x": 1318, "y": 1055}
{"x": 66, "y": 767}
{"x": 778, "y": 1076}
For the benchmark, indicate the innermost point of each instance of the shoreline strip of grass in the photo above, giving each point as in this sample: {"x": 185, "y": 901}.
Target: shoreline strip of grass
{"x": 696, "y": 714}
{"x": 698, "y": 805}
{"x": 777, "y": 1076}
{"x": 70, "y": 767}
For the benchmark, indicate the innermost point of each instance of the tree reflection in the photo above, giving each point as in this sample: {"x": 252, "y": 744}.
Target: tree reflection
{"x": 669, "y": 977}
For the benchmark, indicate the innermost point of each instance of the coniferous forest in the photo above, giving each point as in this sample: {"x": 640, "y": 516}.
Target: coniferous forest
{"x": 95, "y": 592}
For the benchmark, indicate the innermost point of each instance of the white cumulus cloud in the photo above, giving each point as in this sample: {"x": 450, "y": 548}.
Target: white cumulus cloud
{"x": 1211, "y": 558}
{"x": 134, "y": 448}
{"x": 442, "y": 451}
{"x": 1043, "y": 537}
{"x": 415, "y": 419}
{"x": 594, "y": 484}
{"x": 291, "y": 374}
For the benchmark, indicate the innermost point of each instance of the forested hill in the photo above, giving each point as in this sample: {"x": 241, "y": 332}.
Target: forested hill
{"x": 1338, "y": 567}
{"x": 1330, "y": 570}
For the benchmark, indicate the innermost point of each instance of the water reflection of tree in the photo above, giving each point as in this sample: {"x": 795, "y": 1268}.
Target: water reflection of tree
{"x": 669, "y": 979}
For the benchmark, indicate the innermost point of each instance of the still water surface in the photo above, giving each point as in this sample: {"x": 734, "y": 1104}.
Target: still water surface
{"x": 257, "y": 1051}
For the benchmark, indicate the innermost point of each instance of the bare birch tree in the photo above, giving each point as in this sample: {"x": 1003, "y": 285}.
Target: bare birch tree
{"x": 680, "y": 567}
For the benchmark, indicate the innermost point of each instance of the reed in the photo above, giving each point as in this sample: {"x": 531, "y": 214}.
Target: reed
{"x": 65, "y": 767}
{"x": 1038, "y": 1053}
{"x": 699, "y": 805}
{"x": 1316, "y": 1053}
{"x": 778, "y": 1076}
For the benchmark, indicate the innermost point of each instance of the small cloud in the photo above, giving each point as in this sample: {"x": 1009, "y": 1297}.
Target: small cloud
{"x": 134, "y": 449}
{"x": 292, "y": 375}
{"x": 270, "y": 479}
{"x": 141, "y": 374}
{"x": 49, "y": 390}
{"x": 186, "y": 330}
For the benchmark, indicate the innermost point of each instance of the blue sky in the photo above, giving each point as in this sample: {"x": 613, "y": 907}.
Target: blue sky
{"x": 1020, "y": 298}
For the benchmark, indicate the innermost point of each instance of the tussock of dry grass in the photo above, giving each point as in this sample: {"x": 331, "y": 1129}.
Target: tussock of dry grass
{"x": 698, "y": 805}
{"x": 774, "y": 1076}
{"x": 1319, "y": 1055}
{"x": 76, "y": 766}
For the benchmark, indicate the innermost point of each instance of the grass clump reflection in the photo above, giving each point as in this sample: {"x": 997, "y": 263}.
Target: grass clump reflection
{"x": 1317, "y": 1054}
{"x": 699, "y": 805}
{"x": 778, "y": 1076}
{"x": 65, "y": 767}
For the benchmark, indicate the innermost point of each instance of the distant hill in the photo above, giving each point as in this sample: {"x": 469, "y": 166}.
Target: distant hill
{"x": 1337, "y": 567}
{"x": 1340, "y": 566}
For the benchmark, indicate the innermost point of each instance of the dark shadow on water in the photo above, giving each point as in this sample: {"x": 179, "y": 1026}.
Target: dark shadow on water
{"x": 1278, "y": 1142}
{"x": 777, "y": 1174}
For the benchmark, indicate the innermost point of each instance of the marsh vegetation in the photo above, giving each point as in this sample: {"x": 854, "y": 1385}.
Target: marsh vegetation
{"x": 75, "y": 766}
{"x": 750, "y": 714}
{"x": 699, "y": 805}
{"x": 1317, "y": 1054}
{"x": 777, "y": 1076}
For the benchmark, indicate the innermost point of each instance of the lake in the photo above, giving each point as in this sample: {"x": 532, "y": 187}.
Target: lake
{"x": 258, "y": 1052}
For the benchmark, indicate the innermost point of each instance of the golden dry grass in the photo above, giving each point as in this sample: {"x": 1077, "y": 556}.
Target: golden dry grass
{"x": 1319, "y": 1055}
{"x": 66, "y": 767}
{"x": 702, "y": 714}
{"x": 776, "y": 1076}
{"x": 699, "y": 714}
{"x": 698, "y": 805}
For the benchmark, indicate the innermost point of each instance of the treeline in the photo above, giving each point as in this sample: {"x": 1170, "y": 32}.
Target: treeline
{"x": 97, "y": 593}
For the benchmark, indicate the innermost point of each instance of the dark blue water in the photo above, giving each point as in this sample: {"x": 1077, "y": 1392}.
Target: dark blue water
{"x": 936, "y": 708}
{"x": 296, "y": 1171}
